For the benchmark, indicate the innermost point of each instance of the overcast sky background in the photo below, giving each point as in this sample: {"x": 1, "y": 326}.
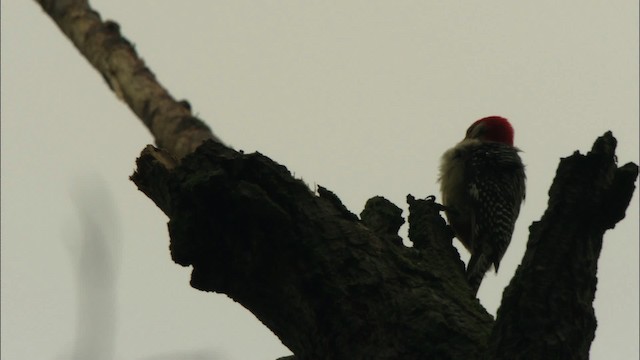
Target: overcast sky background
{"x": 361, "y": 97}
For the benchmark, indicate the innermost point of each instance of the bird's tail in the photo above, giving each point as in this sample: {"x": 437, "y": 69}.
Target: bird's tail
{"x": 478, "y": 265}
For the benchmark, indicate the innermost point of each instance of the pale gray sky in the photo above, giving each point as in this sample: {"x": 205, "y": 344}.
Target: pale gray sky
{"x": 347, "y": 94}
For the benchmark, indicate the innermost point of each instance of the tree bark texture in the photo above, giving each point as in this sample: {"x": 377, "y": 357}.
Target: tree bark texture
{"x": 547, "y": 309}
{"x": 323, "y": 282}
{"x": 332, "y": 285}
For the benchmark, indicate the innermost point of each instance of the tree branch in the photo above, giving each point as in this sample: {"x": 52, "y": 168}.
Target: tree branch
{"x": 170, "y": 122}
{"x": 332, "y": 286}
{"x": 326, "y": 285}
{"x": 547, "y": 309}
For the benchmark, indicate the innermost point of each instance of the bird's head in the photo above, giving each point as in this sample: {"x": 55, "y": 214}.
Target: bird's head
{"x": 491, "y": 128}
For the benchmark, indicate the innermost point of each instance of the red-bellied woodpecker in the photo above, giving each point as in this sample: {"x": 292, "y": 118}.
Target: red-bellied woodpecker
{"x": 483, "y": 184}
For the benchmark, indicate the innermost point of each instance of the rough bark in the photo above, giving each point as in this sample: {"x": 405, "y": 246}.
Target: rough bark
{"x": 324, "y": 283}
{"x": 331, "y": 285}
{"x": 547, "y": 309}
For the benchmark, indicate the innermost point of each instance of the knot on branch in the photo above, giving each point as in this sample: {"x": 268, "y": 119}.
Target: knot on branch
{"x": 432, "y": 237}
{"x": 384, "y": 218}
{"x": 427, "y": 227}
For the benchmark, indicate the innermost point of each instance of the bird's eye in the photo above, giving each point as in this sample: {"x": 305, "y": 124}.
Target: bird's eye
{"x": 475, "y": 131}
{"x": 470, "y": 130}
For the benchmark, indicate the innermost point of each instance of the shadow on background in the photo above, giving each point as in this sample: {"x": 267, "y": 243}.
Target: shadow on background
{"x": 95, "y": 256}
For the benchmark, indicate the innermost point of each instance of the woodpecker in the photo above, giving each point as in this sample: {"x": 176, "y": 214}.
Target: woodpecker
{"x": 482, "y": 181}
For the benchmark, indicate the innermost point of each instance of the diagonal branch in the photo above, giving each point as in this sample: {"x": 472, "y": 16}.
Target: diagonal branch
{"x": 324, "y": 283}
{"x": 170, "y": 122}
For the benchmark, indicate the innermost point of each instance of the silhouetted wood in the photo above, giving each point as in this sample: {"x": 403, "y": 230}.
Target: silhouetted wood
{"x": 331, "y": 285}
{"x": 324, "y": 283}
{"x": 547, "y": 309}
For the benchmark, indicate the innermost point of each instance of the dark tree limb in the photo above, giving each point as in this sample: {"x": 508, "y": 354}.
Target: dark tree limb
{"x": 547, "y": 309}
{"x": 324, "y": 283}
{"x": 330, "y": 285}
